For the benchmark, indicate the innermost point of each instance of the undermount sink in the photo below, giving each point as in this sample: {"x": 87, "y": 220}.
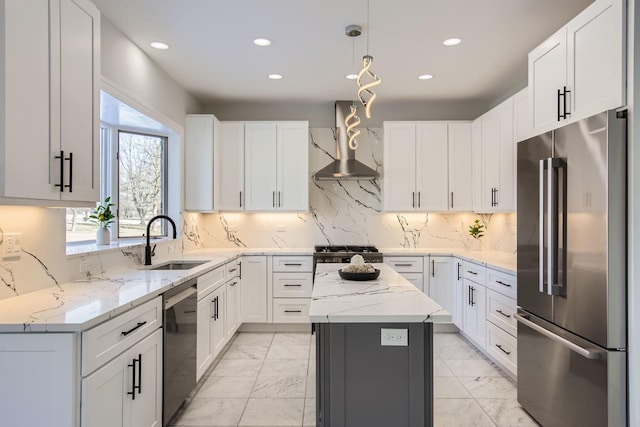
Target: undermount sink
{"x": 178, "y": 265}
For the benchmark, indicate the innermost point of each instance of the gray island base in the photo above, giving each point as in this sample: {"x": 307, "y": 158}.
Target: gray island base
{"x": 374, "y": 350}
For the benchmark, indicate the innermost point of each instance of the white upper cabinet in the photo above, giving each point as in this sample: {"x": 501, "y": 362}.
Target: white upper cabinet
{"x": 232, "y": 195}
{"x": 522, "y": 117}
{"x": 580, "y": 70}
{"x": 460, "y": 167}
{"x": 201, "y": 172}
{"x": 276, "y": 166}
{"x": 476, "y": 163}
{"x": 420, "y": 161}
{"x": 498, "y": 179}
{"x": 49, "y": 138}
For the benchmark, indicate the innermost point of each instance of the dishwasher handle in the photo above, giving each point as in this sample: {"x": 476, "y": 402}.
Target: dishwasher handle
{"x": 179, "y": 297}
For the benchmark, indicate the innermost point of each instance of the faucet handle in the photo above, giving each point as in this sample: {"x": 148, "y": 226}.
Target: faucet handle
{"x": 153, "y": 250}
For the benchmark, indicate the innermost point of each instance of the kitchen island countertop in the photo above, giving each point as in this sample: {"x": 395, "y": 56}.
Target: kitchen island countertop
{"x": 390, "y": 298}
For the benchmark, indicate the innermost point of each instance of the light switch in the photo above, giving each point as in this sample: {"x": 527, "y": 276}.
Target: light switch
{"x": 12, "y": 245}
{"x": 394, "y": 337}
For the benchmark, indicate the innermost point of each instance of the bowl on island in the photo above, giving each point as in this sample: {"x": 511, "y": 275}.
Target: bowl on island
{"x": 359, "y": 276}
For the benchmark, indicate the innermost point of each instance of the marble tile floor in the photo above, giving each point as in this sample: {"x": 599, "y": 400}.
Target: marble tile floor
{"x": 268, "y": 379}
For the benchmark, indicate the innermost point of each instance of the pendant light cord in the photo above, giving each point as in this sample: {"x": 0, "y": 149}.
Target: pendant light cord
{"x": 368, "y": 28}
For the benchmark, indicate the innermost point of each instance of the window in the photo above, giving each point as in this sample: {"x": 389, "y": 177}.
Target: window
{"x": 133, "y": 172}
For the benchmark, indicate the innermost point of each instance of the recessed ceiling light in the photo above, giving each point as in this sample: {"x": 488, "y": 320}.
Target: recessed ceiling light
{"x": 351, "y": 76}
{"x": 425, "y": 77}
{"x": 262, "y": 42}
{"x": 159, "y": 45}
{"x": 453, "y": 41}
{"x": 275, "y": 76}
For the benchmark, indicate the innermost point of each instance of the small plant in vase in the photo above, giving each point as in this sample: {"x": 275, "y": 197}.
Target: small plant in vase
{"x": 476, "y": 231}
{"x": 103, "y": 216}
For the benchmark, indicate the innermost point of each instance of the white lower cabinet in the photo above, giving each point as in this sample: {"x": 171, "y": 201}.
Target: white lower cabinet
{"x": 456, "y": 315}
{"x": 127, "y": 391}
{"x": 503, "y": 348}
{"x": 441, "y": 288}
{"x": 254, "y": 289}
{"x": 291, "y": 310}
{"x": 502, "y": 327}
{"x": 417, "y": 280}
{"x": 292, "y": 284}
{"x": 473, "y": 312}
{"x": 411, "y": 268}
{"x": 232, "y": 306}
{"x": 211, "y": 332}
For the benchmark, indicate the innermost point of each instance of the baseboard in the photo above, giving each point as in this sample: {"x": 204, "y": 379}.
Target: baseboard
{"x": 275, "y": 327}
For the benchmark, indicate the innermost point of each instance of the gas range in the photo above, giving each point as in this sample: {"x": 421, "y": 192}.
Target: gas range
{"x": 343, "y": 254}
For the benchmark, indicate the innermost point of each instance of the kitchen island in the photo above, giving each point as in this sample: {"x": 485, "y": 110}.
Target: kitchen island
{"x": 374, "y": 350}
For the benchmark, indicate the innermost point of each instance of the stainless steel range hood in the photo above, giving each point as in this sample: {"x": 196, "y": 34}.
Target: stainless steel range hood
{"x": 345, "y": 166}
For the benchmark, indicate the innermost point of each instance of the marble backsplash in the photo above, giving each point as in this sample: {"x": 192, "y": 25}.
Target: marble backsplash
{"x": 347, "y": 212}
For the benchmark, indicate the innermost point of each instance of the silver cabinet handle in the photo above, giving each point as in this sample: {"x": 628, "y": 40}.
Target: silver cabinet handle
{"x": 503, "y": 313}
{"x": 551, "y": 196}
{"x": 589, "y": 353}
{"x": 503, "y": 284}
{"x": 541, "y": 229}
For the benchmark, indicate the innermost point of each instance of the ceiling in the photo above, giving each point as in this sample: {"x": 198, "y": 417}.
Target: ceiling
{"x": 212, "y": 55}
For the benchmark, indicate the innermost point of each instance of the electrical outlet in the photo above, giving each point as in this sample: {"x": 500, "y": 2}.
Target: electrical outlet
{"x": 394, "y": 337}
{"x": 12, "y": 245}
{"x": 281, "y": 228}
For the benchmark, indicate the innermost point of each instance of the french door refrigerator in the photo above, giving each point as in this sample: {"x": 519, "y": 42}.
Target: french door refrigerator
{"x": 572, "y": 274}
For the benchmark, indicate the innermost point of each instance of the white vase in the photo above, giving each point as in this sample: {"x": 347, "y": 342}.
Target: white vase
{"x": 103, "y": 237}
{"x": 476, "y": 245}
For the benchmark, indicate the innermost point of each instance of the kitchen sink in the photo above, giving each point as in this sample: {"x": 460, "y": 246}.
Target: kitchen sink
{"x": 178, "y": 265}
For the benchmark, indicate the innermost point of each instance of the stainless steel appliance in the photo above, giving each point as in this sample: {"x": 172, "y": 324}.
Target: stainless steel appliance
{"x": 338, "y": 254}
{"x": 179, "y": 347}
{"x": 572, "y": 274}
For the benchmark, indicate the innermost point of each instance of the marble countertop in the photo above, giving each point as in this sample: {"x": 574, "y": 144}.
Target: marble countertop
{"x": 389, "y": 298}
{"x": 80, "y": 305}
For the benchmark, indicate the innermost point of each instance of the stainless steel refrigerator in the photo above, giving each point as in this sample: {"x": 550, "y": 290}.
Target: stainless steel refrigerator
{"x": 572, "y": 333}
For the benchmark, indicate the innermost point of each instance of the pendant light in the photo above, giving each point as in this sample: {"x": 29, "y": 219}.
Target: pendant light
{"x": 366, "y": 95}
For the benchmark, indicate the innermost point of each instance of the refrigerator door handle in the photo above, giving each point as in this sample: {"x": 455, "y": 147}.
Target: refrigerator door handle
{"x": 551, "y": 226}
{"x": 541, "y": 228}
{"x": 588, "y": 353}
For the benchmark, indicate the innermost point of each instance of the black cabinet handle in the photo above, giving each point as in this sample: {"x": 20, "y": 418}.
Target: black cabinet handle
{"x": 70, "y": 185}
{"x": 241, "y": 199}
{"x": 232, "y": 270}
{"x": 433, "y": 268}
{"x": 403, "y": 265}
{"x": 419, "y": 202}
{"x": 469, "y": 296}
{"x": 292, "y": 285}
{"x": 215, "y": 308}
{"x": 61, "y": 185}
{"x": 273, "y": 198}
{"x": 459, "y": 265}
{"x": 139, "y": 386}
{"x": 503, "y": 284}
{"x": 472, "y": 272}
{"x": 293, "y": 311}
{"x": 558, "y": 99}
{"x": 452, "y": 200}
{"x": 133, "y": 379}
{"x": 240, "y": 270}
{"x": 473, "y": 296}
{"x": 279, "y": 199}
{"x": 503, "y": 350}
{"x": 503, "y": 313}
{"x": 413, "y": 199}
{"x": 293, "y": 264}
{"x": 189, "y": 311}
{"x": 139, "y": 325}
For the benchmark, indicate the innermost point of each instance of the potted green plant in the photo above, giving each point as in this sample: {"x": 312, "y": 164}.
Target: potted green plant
{"x": 476, "y": 230}
{"x": 103, "y": 216}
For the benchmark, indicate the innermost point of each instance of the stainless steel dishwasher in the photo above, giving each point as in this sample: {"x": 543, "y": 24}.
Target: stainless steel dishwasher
{"x": 180, "y": 317}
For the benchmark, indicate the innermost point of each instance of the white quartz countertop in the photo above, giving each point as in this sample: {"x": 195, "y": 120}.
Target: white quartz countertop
{"x": 390, "y": 298}
{"x": 503, "y": 261}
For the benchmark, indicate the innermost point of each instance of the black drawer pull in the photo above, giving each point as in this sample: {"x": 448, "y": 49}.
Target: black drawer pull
{"x": 472, "y": 272}
{"x": 503, "y": 284}
{"x": 502, "y": 349}
{"x": 292, "y": 264}
{"x": 294, "y": 285}
{"x": 232, "y": 270}
{"x": 235, "y": 282}
{"x": 503, "y": 313}
{"x": 403, "y": 265}
{"x": 139, "y": 325}
{"x": 133, "y": 379}
{"x": 189, "y": 311}
{"x": 293, "y": 311}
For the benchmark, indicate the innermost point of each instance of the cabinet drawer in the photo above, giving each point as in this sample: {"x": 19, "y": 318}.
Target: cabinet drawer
{"x": 292, "y": 285}
{"x": 500, "y": 312}
{"x": 291, "y": 310}
{"x": 231, "y": 269}
{"x": 502, "y": 347}
{"x": 405, "y": 264}
{"x": 293, "y": 263}
{"x": 502, "y": 283}
{"x": 210, "y": 281}
{"x": 416, "y": 279}
{"x": 474, "y": 272}
{"x": 107, "y": 340}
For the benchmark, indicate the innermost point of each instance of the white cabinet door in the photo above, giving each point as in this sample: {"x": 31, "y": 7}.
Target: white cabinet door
{"x": 293, "y": 166}
{"x": 432, "y": 166}
{"x": 458, "y": 296}
{"x": 490, "y": 160}
{"x": 399, "y": 175}
{"x": 596, "y": 66}
{"x": 260, "y": 166}
{"x": 218, "y": 326}
{"x": 232, "y": 196}
{"x": 201, "y": 163}
{"x": 417, "y": 280}
{"x": 474, "y": 312}
{"x": 460, "y": 167}
{"x": 476, "y": 163}
{"x": 523, "y": 126}
{"x": 231, "y": 307}
{"x": 204, "y": 345}
{"x": 254, "y": 289}
{"x": 39, "y": 374}
{"x": 547, "y": 76}
{"x": 127, "y": 391}
{"x": 441, "y": 281}
{"x": 79, "y": 98}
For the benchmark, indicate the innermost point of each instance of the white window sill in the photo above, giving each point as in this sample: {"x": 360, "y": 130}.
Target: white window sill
{"x": 86, "y": 248}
